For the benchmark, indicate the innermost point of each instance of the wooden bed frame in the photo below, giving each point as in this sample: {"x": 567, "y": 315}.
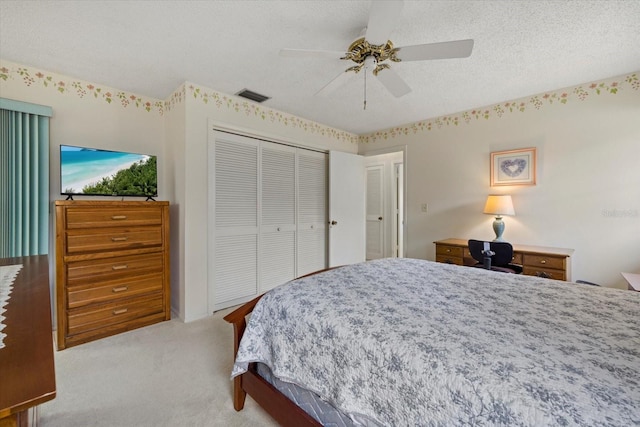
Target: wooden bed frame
{"x": 279, "y": 406}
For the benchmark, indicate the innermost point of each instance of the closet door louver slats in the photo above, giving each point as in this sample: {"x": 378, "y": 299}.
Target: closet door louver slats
{"x": 236, "y": 169}
{"x": 278, "y": 226}
{"x": 236, "y": 210}
{"x": 236, "y": 267}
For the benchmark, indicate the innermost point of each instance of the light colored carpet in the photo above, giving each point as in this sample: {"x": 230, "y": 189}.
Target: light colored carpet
{"x": 168, "y": 374}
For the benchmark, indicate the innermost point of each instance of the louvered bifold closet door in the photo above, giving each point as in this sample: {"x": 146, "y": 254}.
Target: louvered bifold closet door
{"x": 278, "y": 215}
{"x": 236, "y": 218}
{"x": 312, "y": 211}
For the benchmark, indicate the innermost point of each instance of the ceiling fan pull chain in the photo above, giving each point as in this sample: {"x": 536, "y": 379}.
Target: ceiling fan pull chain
{"x": 365, "y": 89}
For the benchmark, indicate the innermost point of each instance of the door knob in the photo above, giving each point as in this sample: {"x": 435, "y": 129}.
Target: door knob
{"x": 379, "y": 218}
{"x": 334, "y": 223}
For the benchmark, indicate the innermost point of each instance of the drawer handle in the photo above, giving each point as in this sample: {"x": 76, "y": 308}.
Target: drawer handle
{"x": 120, "y": 311}
{"x": 448, "y": 250}
{"x": 544, "y": 275}
{"x": 120, "y": 289}
{"x": 118, "y": 217}
{"x": 119, "y": 239}
{"x": 120, "y": 267}
{"x": 543, "y": 261}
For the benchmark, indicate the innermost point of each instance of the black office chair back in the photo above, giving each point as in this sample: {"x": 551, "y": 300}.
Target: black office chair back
{"x": 500, "y": 258}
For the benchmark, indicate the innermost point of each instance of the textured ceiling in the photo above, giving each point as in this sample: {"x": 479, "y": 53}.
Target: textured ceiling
{"x": 151, "y": 47}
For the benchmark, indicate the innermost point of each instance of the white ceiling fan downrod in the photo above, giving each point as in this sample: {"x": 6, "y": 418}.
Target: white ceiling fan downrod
{"x": 370, "y": 64}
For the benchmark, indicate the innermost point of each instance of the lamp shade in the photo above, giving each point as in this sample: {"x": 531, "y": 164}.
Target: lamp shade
{"x": 499, "y": 205}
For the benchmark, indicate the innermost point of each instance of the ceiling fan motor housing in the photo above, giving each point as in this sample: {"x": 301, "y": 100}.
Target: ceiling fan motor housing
{"x": 360, "y": 49}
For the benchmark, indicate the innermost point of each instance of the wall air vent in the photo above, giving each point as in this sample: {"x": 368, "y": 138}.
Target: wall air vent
{"x": 246, "y": 93}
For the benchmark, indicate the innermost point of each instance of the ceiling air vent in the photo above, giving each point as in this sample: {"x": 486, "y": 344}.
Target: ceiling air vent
{"x": 246, "y": 93}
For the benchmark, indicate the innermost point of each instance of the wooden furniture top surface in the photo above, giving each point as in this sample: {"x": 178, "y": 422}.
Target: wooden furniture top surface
{"x": 26, "y": 361}
{"x": 633, "y": 280}
{"x": 525, "y": 249}
{"x": 109, "y": 203}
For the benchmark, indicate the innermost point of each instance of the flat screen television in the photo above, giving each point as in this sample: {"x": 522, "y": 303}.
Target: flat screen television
{"x": 95, "y": 172}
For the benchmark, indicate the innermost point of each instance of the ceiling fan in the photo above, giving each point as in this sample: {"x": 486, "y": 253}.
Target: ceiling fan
{"x": 373, "y": 51}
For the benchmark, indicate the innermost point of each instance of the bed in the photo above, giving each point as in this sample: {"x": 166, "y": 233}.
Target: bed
{"x": 413, "y": 342}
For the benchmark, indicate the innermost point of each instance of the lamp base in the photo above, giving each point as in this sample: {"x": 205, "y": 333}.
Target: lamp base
{"x": 498, "y": 228}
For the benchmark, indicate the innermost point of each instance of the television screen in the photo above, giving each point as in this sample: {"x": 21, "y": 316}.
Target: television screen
{"x": 94, "y": 172}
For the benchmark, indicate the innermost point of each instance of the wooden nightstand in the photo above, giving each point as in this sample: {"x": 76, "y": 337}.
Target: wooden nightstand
{"x": 552, "y": 263}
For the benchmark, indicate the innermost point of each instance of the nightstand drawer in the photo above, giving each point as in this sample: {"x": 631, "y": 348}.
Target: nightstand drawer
{"x": 542, "y": 261}
{"x": 112, "y": 217}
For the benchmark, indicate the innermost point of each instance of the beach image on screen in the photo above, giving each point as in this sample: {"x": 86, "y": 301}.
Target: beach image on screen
{"x": 101, "y": 172}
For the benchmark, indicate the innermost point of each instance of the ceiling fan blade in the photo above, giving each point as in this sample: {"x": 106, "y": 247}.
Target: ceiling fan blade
{"x": 307, "y": 53}
{"x": 337, "y": 82}
{"x": 444, "y": 50}
{"x": 393, "y": 82}
{"x": 383, "y": 18}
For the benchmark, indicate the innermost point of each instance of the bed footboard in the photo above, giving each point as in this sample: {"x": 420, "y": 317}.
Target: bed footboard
{"x": 238, "y": 318}
{"x": 280, "y": 407}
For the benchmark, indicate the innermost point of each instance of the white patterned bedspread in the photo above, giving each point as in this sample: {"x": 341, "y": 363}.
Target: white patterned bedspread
{"x": 405, "y": 342}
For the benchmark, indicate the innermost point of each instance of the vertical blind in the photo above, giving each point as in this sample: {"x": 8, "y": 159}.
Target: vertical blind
{"x": 24, "y": 178}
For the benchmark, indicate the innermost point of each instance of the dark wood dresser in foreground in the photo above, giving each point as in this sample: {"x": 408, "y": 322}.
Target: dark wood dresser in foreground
{"x": 112, "y": 268}
{"x": 27, "y": 373}
{"x": 541, "y": 261}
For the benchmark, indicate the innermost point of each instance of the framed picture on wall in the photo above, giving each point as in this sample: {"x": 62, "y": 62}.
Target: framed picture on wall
{"x": 513, "y": 167}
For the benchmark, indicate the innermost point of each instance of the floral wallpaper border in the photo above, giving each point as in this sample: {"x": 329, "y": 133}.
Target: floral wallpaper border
{"x": 80, "y": 88}
{"x": 562, "y": 96}
{"x": 251, "y": 109}
{"x": 83, "y": 90}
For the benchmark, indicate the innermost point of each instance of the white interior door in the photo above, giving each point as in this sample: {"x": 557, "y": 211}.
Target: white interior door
{"x": 347, "y": 235}
{"x": 399, "y": 210}
{"x": 312, "y": 212}
{"x": 375, "y": 211}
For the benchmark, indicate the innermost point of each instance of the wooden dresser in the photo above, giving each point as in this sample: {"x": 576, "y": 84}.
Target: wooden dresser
{"x": 552, "y": 263}
{"x": 27, "y": 368}
{"x": 112, "y": 268}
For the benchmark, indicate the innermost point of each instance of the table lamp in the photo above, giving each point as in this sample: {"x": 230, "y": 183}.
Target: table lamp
{"x": 499, "y": 205}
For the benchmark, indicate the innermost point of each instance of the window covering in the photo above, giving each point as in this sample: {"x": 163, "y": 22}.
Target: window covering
{"x": 24, "y": 178}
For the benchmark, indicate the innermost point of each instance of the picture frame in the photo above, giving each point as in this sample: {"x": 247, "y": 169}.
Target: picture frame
{"x": 513, "y": 167}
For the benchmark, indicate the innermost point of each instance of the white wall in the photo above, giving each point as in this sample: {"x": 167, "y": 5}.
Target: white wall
{"x": 587, "y": 195}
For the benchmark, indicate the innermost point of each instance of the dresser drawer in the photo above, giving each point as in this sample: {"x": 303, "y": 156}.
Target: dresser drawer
{"x": 447, "y": 259}
{"x": 454, "y": 251}
{"x": 109, "y": 239}
{"x": 450, "y": 254}
{"x": 547, "y": 273}
{"x": 99, "y": 270}
{"x": 83, "y": 217}
{"x": 110, "y": 291}
{"x": 542, "y": 261}
{"x": 102, "y": 316}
